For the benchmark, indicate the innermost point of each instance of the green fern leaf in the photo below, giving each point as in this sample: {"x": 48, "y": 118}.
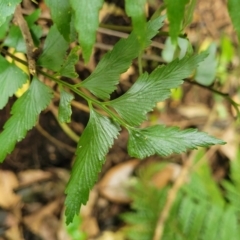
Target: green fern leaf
{"x": 15, "y": 39}
{"x": 175, "y": 13}
{"x": 102, "y": 82}
{"x": 61, "y": 15}
{"x": 149, "y": 89}
{"x": 7, "y": 8}
{"x": 94, "y": 143}
{"x": 65, "y": 111}
{"x": 228, "y": 225}
{"x": 11, "y": 78}
{"x": 164, "y": 141}
{"x": 233, "y": 9}
{"x": 4, "y": 28}
{"x": 24, "y": 112}
{"x": 86, "y": 23}
{"x": 136, "y": 10}
{"x": 54, "y": 50}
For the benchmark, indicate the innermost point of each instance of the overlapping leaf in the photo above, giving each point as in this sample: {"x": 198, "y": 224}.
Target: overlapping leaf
{"x": 65, "y": 111}
{"x": 189, "y": 11}
{"x": 68, "y": 67}
{"x": 206, "y": 71}
{"x": 15, "y": 39}
{"x": 7, "y": 8}
{"x": 4, "y": 28}
{"x": 233, "y": 9}
{"x": 86, "y": 23}
{"x": 94, "y": 143}
{"x": 175, "y": 13}
{"x": 54, "y": 50}
{"x": 35, "y": 30}
{"x": 61, "y": 15}
{"x": 136, "y": 10}
{"x": 24, "y": 112}
{"x": 102, "y": 82}
{"x": 11, "y": 78}
{"x": 164, "y": 141}
{"x": 149, "y": 89}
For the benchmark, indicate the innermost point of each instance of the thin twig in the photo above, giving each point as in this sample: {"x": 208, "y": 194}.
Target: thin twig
{"x": 224, "y": 95}
{"x": 207, "y": 87}
{"x": 171, "y": 198}
{"x": 31, "y": 49}
{"x": 71, "y": 134}
{"x": 125, "y": 35}
{"x": 172, "y": 194}
{"x": 54, "y": 140}
{"x": 129, "y": 29}
{"x": 150, "y": 57}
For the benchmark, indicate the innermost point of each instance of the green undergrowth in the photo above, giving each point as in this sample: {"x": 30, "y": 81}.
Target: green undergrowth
{"x": 202, "y": 209}
{"x": 54, "y": 56}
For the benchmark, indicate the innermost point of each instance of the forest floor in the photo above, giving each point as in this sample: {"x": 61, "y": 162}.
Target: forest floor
{"x": 34, "y": 176}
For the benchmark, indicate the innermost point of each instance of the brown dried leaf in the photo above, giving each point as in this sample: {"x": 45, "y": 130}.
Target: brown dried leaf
{"x": 166, "y": 175}
{"x": 113, "y": 185}
{"x": 36, "y": 221}
{"x": 8, "y": 182}
{"x": 28, "y": 177}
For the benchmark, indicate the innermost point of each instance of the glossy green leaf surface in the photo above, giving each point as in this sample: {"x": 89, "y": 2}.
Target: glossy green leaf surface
{"x": 11, "y": 78}
{"x": 61, "y": 15}
{"x": 35, "y": 30}
{"x": 24, "y": 112}
{"x": 150, "y": 89}
{"x": 86, "y": 23}
{"x": 54, "y": 50}
{"x": 102, "y": 82}
{"x": 7, "y": 8}
{"x": 92, "y": 148}
{"x": 65, "y": 110}
{"x": 164, "y": 141}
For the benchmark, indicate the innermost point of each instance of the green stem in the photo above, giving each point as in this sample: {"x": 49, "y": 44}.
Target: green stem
{"x": 102, "y": 105}
{"x": 74, "y": 89}
{"x": 87, "y": 98}
{"x": 225, "y": 95}
{"x": 140, "y": 67}
{"x": 222, "y": 94}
